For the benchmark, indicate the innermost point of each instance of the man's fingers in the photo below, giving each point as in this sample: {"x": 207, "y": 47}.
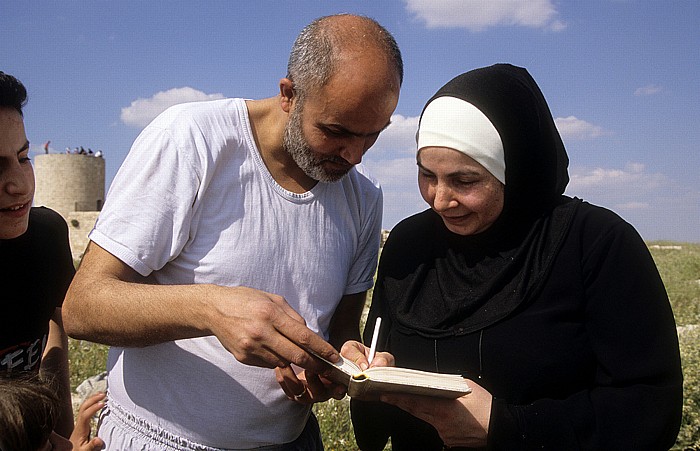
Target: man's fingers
{"x": 289, "y": 325}
{"x": 319, "y": 385}
{"x": 282, "y": 303}
{"x": 314, "y": 383}
{"x": 279, "y": 351}
{"x": 306, "y": 343}
{"x": 295, "y": 387}
{"x": 291, "y": 385}
{"x": 265, "y": 331}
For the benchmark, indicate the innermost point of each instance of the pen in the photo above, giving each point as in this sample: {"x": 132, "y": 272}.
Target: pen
{"x": 375, "y": 336}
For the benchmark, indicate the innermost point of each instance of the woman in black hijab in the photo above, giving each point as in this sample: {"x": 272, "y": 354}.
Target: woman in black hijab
{"x": 552, "y": 307}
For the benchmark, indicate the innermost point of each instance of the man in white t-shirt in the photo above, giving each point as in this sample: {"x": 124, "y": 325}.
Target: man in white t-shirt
{"x": 236, "y": 236}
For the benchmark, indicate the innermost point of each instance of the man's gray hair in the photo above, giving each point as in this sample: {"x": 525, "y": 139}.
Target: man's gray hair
{"x": 315, "y": 52}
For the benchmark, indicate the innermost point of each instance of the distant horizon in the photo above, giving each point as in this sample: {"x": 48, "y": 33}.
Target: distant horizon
{"x": 384, "y": 229}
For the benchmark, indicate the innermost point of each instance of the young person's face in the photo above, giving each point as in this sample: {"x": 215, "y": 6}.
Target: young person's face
{"x": 467, "y": 197}
{"x": 16, "y": 175}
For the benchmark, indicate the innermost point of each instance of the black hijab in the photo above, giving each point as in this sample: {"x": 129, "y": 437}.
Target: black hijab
{"x": 450, "y": 284}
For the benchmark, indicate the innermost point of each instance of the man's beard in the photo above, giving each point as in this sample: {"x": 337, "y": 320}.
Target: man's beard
{"x": 302, "y": 154}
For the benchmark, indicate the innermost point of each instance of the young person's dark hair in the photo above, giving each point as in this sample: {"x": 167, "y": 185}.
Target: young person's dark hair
{"x": 29, "y": 409}
{"x": 13, "y": 94}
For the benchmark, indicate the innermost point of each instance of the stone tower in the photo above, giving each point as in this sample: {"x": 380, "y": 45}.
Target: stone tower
{"x": 74, "y": 186}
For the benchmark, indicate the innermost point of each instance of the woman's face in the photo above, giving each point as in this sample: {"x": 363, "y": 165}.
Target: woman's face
{"x": 467, "y": 197}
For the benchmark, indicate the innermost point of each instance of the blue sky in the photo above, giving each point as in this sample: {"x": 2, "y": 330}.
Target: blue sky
{"x": 621, "y": 77}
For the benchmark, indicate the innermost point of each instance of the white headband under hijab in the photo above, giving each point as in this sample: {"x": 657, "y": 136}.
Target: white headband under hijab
{"x": 459, "y": 125}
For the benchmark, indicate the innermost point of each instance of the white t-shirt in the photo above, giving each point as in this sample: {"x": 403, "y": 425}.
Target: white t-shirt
{"x": 194, "y": 203}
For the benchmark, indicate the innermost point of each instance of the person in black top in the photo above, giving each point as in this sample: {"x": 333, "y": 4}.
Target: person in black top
{"x": 36, "y": 266}
{"x": 552, "y": 307}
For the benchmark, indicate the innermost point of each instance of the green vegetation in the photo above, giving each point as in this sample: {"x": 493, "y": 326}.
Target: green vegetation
{"x": 679, "y": 265}
{"x": 689, "y": 436}
{"x": 86, "y": 359}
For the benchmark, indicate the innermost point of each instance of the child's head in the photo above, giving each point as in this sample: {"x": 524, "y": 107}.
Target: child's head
{"x": 29, "y": 408}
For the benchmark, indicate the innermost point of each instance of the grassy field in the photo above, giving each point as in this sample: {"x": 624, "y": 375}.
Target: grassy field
{"x": 679, "y": 265}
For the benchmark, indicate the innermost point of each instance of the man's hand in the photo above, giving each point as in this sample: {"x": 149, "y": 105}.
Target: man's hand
{"x": 261, "y": 329}
{"x": 306, "y": 387}
{"x": 110, "y": 303}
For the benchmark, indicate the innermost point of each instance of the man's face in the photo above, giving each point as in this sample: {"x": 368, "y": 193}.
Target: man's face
{"x": 323, "y": 168}
{"x": 16, "y": 175}
{"x": 329, "y": 130}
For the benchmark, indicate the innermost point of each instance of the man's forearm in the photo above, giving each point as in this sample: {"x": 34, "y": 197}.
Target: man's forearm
{"x": 128, "y": 314}
{"x": 108, "y": 302}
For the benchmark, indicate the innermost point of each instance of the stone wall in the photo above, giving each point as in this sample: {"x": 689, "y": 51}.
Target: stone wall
{"x": 69, "y": 182}
{"x": 80, "y": 223}
{"x": 74, "y": 186}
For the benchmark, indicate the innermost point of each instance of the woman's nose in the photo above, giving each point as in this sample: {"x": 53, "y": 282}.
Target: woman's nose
{"x": 443, "y": 199}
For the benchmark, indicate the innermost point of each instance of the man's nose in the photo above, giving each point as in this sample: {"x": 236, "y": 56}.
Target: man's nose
{"x": 355, "y": 148}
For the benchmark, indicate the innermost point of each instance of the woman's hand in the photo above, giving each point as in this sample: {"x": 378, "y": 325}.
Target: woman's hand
{"x": 460, "y": 422}
{"x": 358, "y": 353}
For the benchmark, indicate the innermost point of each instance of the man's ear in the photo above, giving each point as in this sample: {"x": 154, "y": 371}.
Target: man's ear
{"x": 286, "y": 94}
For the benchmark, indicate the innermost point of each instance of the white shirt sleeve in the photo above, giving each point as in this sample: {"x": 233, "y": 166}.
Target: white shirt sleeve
{"x": 148, "y": 209}
{"x": 361, "y": 276}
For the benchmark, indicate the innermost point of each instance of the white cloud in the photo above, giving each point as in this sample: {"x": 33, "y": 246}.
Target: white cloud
{"x": 399, "y": 139}
{"x": 648, "y": 90}
{"x": 633, "y": 179}
{"x": 477, "y": 15}
{"x": 142, "y": 111}
{"x": 392, "y": 162}
{"x": 399, "y": 180}
{"x": 656, "y": 205}
{"x": 574, "y": 128}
